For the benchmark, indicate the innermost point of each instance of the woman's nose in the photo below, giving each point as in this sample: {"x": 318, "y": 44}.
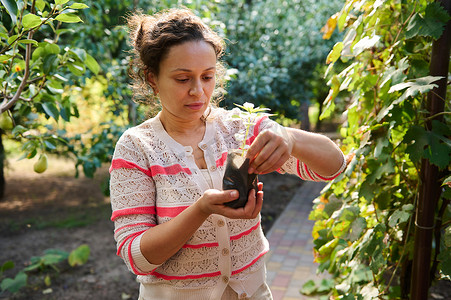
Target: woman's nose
{"x": 196, "y": 89}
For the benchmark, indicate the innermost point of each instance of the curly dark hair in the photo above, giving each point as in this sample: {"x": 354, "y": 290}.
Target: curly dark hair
{"x": 152, "y": 36}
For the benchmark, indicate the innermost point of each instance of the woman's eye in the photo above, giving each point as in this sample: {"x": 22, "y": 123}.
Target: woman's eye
{"x": 182, "y": 79}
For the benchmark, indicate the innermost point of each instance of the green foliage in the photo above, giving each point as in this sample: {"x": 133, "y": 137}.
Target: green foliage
{"x": 363, "y": 232}
{"x": 42, "y": 264}
{"x": 273, "y": 50}
{"x": 38, "y": 72}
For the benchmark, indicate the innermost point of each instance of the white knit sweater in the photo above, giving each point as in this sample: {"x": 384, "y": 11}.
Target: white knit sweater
{"x": 154, "y": 178}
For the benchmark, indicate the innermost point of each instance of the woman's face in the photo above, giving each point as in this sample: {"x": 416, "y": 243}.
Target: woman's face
{"x": 186, "y": 80}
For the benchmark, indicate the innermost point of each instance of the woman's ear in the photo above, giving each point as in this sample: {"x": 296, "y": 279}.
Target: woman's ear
{"x": 151, "y": 79}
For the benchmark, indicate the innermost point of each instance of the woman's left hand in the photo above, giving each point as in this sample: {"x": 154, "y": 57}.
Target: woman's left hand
{"x": 269, "y": 151}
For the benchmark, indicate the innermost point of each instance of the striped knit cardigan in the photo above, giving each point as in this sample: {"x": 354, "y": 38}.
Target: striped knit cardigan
{"x": 153, "y": 178}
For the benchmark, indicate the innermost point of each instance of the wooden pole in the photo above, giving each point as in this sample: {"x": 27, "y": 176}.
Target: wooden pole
{"x": 429, "y": 174}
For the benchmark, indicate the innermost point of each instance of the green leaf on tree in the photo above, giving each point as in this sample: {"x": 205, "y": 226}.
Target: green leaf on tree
{"x": 61, "y": 2}
{"x": 11, "y": 8}
{"x": 78, "y": 6}
{"x": 92, "y": 64}
{"x": 51, "y": 110}
{"x": 68, "y": 18}
{"x": 30, "y": 21}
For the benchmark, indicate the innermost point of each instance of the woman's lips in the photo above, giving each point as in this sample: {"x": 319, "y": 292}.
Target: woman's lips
{"x": 195, "y": 106}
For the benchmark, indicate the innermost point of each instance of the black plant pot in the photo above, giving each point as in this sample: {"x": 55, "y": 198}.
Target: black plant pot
{"x": 237, "y": 178}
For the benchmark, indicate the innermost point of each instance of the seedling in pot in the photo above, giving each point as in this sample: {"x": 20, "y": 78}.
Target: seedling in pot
{"x": 236, "y": 174}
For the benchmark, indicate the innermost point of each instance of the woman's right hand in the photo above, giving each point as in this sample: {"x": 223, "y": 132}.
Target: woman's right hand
{"x": 212, "y": 202}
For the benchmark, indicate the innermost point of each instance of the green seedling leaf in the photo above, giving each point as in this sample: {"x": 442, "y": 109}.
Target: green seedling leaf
{"x": 7, "y": 266}
{"x": 79, "y": 256}
{"x": 14, "y": 285}
{"x": 447, "y": 181}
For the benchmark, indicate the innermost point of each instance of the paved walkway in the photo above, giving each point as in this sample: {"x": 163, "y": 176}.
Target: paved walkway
{"x": 290, "y": 261}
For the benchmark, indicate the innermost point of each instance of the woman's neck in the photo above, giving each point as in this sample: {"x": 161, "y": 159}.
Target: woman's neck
{"x": 183, "y": 130}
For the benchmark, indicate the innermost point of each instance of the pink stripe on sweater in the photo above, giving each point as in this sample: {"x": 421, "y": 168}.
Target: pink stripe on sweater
{"x": 152, "y": 210}
{"x": 167, "y": 277}
{"x": 119, "y": 249}
{"x": 235, "y": 237}
{"x": 307, "y": 171}
{"x": 201, "y": 245}
{"x": 256, "y": 130}
{"x": 221, "y": 161}
{"x": 252, "y": 262}
{"x": 298, "y": 168}
{"x": 327, "y": 178}
{"x": 130, "y": 258}
{"x": 133, "y": 211}
{"x": 134, "y": 225}
{"x": 119, "y": 163}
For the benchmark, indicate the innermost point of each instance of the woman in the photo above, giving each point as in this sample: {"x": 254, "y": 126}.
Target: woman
{"x": 171, "y": 225}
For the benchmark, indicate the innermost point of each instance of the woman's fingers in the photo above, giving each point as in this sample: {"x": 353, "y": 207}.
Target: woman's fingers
{"x": 267, "y": 153}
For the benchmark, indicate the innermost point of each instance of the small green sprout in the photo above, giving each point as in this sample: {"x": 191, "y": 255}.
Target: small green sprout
{"x": 249, "y": 115}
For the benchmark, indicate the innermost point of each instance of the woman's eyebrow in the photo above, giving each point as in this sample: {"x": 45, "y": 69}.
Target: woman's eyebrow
{"x": 188, "y": 70}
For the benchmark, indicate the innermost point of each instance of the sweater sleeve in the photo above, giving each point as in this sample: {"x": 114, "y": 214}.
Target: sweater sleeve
{"x": 293, "y": 165}
{"x": 132, "y": 194}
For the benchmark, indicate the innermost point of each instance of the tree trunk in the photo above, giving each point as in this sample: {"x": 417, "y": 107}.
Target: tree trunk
{"x": 429, "y": 174}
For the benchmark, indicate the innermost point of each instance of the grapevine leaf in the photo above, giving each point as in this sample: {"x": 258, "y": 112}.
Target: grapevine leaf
{"x": 364, "y": 44}
{"x": 334, "y": 54}
{"x": 11, "y": 7}
{"x": 445, "y": 262}
{"x": 447, "y": 181}
{"x": 357, "y": 227}
{"x": 412, "y": 88}
{"x": 398, "y": 217}
{"x": 369, "y": 291}
{"x": 431, "y": 24}
{"x": 416, "y": 139}
{"x": 447, "y": 237}
{"x": 309, "y": 288}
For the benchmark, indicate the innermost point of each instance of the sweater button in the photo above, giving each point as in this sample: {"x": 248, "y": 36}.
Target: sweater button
{"x": 225, "y": 279}
{"x": 243, "y": 296}
{"x": 221, "y": 223}
{"x": 213, "y": 168}
{"x": 225, "y": 251}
